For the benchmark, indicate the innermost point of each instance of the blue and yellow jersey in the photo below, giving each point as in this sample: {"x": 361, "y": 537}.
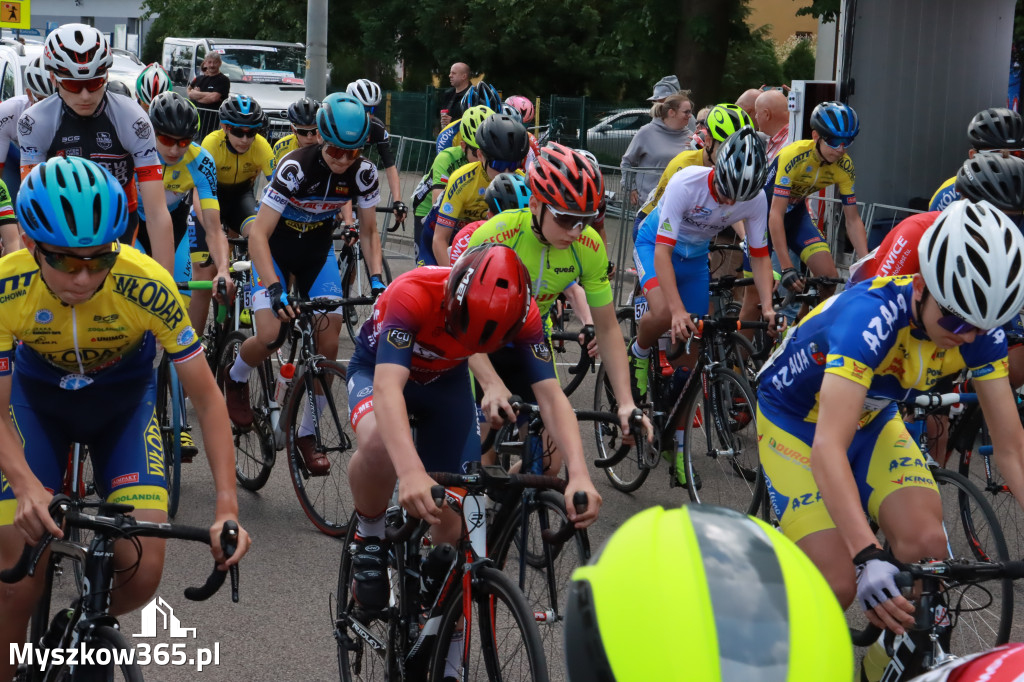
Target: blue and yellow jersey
{"x": 239, "y": 171}
{"x": 692, "y": 157}
{"x": 450, "y": 136}
{"x": 799, "y": 172}
{"x": 196, "y": 169}
{"x": 288, "y": 143}
{"x": 866, "y": 334}
{"x": 463, "y": 199}
{"x": 945, "y": 195}
{"x": 442, "y": 168}
{"x": 109, "y": 338}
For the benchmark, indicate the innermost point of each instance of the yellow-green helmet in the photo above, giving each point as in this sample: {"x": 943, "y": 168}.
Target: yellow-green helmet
{"x": 726, "y": 119}
{"x": 703, "y": 593}
{"x": 471, "y": 120}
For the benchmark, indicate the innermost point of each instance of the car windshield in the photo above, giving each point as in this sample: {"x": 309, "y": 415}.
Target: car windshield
{"x": 262, "y": 63}
{"x": 126, "y": 64}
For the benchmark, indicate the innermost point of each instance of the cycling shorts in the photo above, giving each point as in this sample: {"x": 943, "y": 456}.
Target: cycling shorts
{"x": 690, "y": 263}
{"x": 123, "y": 439}
{"x": 802, "y": 237}
{"x": 313, "y": 281}
{"x": 236, "y": 209}
{"x": 425, "y": 243}
{"x": 182, "y": 244}
{"x": 446, "y": 431}
{"x": 883, "y": 456}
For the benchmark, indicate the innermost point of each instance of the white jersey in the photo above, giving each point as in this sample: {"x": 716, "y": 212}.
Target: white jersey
{"x": 10, "y": 111}
{"x": 690, "y": 213}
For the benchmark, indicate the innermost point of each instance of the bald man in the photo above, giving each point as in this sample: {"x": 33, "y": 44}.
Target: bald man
{"x": 746, "y": 101}
{"x": 451, "y": 99}
{"x": 771, "y": 113}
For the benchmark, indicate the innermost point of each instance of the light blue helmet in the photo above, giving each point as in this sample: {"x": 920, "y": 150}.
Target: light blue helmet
{"x": 343, "y": 122}
{"x": 72, "y": 202}
{"x": 506, "y": 192}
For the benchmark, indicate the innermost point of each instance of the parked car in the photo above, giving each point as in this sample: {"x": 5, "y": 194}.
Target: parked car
{"x": 612, "y": 134}
{"x": 126, "y": 68}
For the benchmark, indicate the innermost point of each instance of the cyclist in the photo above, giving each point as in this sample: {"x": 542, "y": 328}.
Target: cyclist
{"x": 555, "y": 242}
{"x": 302, "y": 118}
{"x": 152, "y": 81}
{"x": 480, "y": 94}
{"x": 507, "y": 192}
{"x": 241, "y": 155}
{"x": 997, "y": 130}
{"x": 112, "y": 131}
{"x": 369, "y": 93}
{"x": 410, "y": 359}
{"x": 64, "y": 384}
{"x": 888, "y": 339}
{"x": 433, "y": 184}
{"x": 292, "y": 236}
{"x": 717, "y": 566}
{"x": 38, "y": 87}
{"x": 503, "y": 145}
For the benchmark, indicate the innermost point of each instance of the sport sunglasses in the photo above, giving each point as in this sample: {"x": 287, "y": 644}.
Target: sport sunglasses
{"x": 173, "y": 141}
{"x": 571, "y": 221}
{"x": 65, "y": 262}
{"x": 340, "y": 152}
{"x": 243, "y": 132}
{"x": 954, "y": 324}
{"x": 76, "y": 86}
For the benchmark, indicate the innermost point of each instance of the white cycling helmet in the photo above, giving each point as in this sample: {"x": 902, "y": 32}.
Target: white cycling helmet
{"x": 78, "y": 52}
{"x": 37, "y": 79}
{"x": 152, "y": 81}
{"x": 972, "y": 260}
{"x": 366, "y": 91}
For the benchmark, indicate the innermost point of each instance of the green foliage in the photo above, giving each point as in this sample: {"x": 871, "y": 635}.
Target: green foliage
{"x": 826, "y": 10}
{"x": 751, "y": 63}
{"x": 799, "y": 65}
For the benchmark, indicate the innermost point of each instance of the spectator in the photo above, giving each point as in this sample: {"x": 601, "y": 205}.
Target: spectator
{"x": 747, "y": 100}
{"x": 656, "y": 143}
{"x": 212, "y": 88}
{"x": 669, "y": 85}
{"x": 771, "y": 114}
{"x": 451, "y": 99}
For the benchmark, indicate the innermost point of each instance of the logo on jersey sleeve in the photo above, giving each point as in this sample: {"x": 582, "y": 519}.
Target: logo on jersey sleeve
{"x": 186, "y": 336}
{"x": 541, "y": 351}
{"x": 25, "y": 124}
{"x": 142, "y": 129}
{"x": 290, "y": 175}
{"x": 399, "y": 338}
{"x": 366, "y": 178}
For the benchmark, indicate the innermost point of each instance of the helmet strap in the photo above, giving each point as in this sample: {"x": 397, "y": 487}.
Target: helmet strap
{"x": 535, "y": 223}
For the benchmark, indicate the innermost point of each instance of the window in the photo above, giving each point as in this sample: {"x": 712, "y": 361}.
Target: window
{"x": 7, "y": 88}
{"x": 89, "y": 21}
{"x": 630, "y": 121}
{"x": 181, "y": 64}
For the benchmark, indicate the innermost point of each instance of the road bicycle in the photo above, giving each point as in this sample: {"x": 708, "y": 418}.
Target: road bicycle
{"x": 355, "y": 279}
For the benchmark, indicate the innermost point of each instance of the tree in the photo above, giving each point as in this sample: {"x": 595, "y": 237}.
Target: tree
{"x": 799, "y": 65}
{"x": 825, "y": 10}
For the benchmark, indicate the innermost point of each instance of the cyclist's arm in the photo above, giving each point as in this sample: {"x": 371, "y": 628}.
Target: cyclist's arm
{"x": 855, "y": 230}
{"x": 577, "y": 298}
{"x": 740, "y": 228}
{"x": 158, "y": 222}
{"x": 394, "y": 185}
{"x": 560, "y": 423}
{"x": 199, "y": 385}
{"x": 369, "y": 239}
{"x": 494, "y": 401}
{"x": 1000, "y": 410}
{"x": 10, "y": 234}
{"x": 442, "y": 238}
{"x": 681, "y": 323}
{"x": 777, "y": 230}
{"x": 764, "y": 282}
{"x": 260, "y": 230}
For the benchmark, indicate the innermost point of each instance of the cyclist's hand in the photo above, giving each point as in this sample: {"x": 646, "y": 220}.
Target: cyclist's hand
{"x": 400, "y": 210}
{"x": 377, "y": 285}
{"x": 883, "y": 603}
{"x": 279, "y": 302}
{"x": 589, "y": 337}
{"x": 634, "y": 197}
{"x": 414, "y": 495}
{"x": 776, "y": 322}
{"x": 584, "y": 484}
{"x": 625, "y": 412}
{"x": 32, "y": 516}
{"x": 682, "y": 327}
{"x": 496, "y": 407}
{"x": 228, "y": 283}
{"x": 244, "y": 543}
{"x": 791, "y": 280}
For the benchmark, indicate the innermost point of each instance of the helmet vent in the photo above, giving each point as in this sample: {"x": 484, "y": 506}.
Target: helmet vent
{"x": 488, "y": 331}
{"x": 69, "y": 214}
{"x": 501, "y": 283}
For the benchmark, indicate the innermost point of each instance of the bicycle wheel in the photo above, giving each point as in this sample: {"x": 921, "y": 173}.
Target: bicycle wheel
{"x": 973, "y": 532}
{"x": 630, "y": 473}
{"x": 168, "y": 400}
{"x": 355, "y": 282}
{"x": 542, "y": 571}
{"x": 571, "y": 360}
{"x": 255, "y": 450}
{"x": 107, "y": 644}
{"x": 500, "y": 639}
{"x": 325, "y": 498}
{"x": 721, "y": 443}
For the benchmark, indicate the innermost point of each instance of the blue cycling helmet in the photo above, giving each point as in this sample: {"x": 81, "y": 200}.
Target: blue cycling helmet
{"x": 484, "y": 94}
{"x": 72, "y": 202}
{"x": 242, "y": 111}
{"x": 835, "y": 121}
{"x": 343, "y": 121}
{"x": 506, "y": 192}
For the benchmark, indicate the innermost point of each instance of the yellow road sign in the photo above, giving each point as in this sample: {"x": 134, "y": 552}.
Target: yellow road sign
{"x": 16, "y": 14}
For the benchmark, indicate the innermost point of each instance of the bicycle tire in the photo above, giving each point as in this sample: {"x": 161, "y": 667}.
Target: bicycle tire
{"x": 572, "y": 356}
{"x": 77, "y": 534}
{"x": 491, "y": 588}
{"x": 326, "y": 499}
{"x": 733, "y": 480}
{"x": 529, "y": 570}
{"x": 255, "y": 450}
{"x": 629, "y": 473}
{"x": 107, "y": 637}
{"x": 356, "y": 315}
{"x": 168, "y": 417}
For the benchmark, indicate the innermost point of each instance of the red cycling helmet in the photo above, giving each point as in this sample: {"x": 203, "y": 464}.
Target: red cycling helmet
{"x": 487, "y": 297}
{"x": 566, "y": 180}
{"x": 1002, "y": 664}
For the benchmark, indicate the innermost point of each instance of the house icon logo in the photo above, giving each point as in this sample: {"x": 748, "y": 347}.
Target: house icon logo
{"x": 157, "y": 616}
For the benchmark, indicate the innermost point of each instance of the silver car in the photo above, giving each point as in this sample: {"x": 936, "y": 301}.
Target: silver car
{"x": 612, "y": 134}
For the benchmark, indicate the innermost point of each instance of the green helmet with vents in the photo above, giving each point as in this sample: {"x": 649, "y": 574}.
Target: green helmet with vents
{"x": 726, "y": 119}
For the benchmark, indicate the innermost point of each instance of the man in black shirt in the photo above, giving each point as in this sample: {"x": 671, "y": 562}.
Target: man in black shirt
{"x": 213, "y": 87}
{"x": 451, "y": 99}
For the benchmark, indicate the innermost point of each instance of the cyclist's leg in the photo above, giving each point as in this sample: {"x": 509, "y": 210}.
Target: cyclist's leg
{"x": 804, "y": 239}
{"x": 371, "y": 474}
{"x": 425, "y": 249}
{"x": 202, "y": 269}
{"x": 327, "y": 284}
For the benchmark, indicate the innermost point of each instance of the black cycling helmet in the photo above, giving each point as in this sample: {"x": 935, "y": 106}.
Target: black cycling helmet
{"x": 173, "y": 114}
{"x": 484, "y": 94}
{"x": 303, "y": 112}
{"x": 502, "y": 138}
{"x": 996, "y": 128}
{"x": 992, "y": 178}
{"x": 119, "y": 88}
{"x": 242, "y": 111}
{"x": 506, "y": 192}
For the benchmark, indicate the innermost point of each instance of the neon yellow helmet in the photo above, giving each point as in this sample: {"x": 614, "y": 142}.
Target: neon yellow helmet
{"x": 721, "y": 595}
{"x": 471, "y": 120}
{"x": 726, "y": 119}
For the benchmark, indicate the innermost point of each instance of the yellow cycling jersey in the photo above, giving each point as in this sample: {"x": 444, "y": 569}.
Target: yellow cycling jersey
{"x": 799, "y": 172}
{"x": 288, "y": 143}
{"x": 239, "y": 170}
{"x": 692, "y": 157}
{"x": 463, "y": 199}
{"x": 108, "y": 336}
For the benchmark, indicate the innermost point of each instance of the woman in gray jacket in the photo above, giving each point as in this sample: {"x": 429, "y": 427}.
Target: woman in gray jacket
{"x": 657, "y": 143}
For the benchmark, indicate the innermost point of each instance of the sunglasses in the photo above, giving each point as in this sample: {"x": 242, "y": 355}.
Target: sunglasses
{"x": 1005, "y": 153}
{"x": 65, "y": 262}
{"x": 340, "y": 153}
{"x": 954, "y": 324}
{"x": 169, "y": 141}
{"x": 305, "y": 132}
{"x": 837, "y": 142}
{"x": 75, "y": 87}
{"x": 504, "y": 166}
{"x": 571, "y": 221}
{"x": 243, "y": 132}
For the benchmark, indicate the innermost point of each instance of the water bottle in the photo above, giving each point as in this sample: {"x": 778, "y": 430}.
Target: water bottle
{"x": 284, "y": 379}
{"x": 433, "y": 570}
